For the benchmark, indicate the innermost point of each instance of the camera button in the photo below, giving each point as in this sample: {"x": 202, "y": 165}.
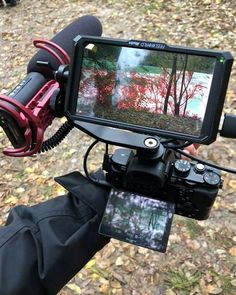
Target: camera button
{"x": 199, "y": 168}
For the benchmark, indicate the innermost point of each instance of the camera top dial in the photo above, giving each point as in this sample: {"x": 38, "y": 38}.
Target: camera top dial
{"x": 211, "y": 178}
{"x": 182, "y": 166}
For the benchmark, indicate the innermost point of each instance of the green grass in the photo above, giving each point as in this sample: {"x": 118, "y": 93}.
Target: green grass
{"x": 181, "y": 280}
{"x": 193, "y": 228}
{"x": 225, "y": 282}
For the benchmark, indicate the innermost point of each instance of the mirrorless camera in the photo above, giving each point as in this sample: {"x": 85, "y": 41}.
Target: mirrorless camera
{"x": 153, "y": 99}
{"x": 137, "y": 94}
{"x": 192, "y": 187}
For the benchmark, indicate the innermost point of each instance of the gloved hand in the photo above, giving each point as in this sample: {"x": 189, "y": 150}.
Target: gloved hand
{"x": 44, "y": 246}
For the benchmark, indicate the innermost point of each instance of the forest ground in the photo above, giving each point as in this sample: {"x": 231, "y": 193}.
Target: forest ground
{"x": 201, "y": 254}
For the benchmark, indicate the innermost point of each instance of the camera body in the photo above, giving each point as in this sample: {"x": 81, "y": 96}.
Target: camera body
{"x": 192, "y": 187}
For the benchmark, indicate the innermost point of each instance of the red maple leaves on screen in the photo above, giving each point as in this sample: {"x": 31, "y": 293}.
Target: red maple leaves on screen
{"x": 156, "y": 95}
{"x": 169, "y": 92}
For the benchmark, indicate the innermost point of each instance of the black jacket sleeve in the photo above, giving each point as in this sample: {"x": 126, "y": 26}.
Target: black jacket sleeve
{"x": 44, "y": 246}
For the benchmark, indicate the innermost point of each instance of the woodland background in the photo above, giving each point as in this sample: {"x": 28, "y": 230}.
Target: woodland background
{"x": 201, "y": 255}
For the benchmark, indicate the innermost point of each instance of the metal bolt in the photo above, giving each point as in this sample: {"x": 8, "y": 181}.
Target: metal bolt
{"x": 151, "y": 142}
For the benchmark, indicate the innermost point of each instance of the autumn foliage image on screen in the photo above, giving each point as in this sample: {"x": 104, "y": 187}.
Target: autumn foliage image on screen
{"x": 157, "y": 89}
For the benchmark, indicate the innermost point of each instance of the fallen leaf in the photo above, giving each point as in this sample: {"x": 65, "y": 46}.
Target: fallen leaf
{"x": 119, "y": 261}
{"x": 20, "y": 190}
{"x": 116, "y": 285}
{"x": 193, "y": 244}
{"x": 95, "y": 276}
{"x": 101, "y": 272}
{"x": 216, "y": 291}
{"x": 232, "y": 251}
{"x": 92, "y": 167}
{"x": 63, "y": 120}
{"x": 170, "y": 292}
{"x": 72, "y": 151}
{"x": 233, "y": 283}
{"x": 29, "y": 170}
{"x": 232, "y": 183}
{"x": 104, "y": 288}
{"x": 74, "y": 288}
{"x": 90, "y": 264}
{"x": 11, "y": 200}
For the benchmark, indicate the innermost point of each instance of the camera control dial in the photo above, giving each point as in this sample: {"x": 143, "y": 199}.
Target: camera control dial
{"x": 211, "y": 178}
{"x": 182, "y": 166}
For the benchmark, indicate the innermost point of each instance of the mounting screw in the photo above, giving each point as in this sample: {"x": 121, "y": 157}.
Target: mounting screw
{"x": 151, "y": 142}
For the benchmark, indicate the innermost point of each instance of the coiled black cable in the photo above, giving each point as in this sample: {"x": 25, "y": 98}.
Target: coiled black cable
{"x": 53, "y": 141}
{"x": 88, "y": 175}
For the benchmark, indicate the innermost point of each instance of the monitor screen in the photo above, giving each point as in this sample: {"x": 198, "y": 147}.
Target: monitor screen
{"x": 151, "y": 88}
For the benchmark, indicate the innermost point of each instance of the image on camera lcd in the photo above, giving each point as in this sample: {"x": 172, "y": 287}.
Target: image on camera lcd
{"x": 157, "y": 89}
{"x": 138, "y": 220}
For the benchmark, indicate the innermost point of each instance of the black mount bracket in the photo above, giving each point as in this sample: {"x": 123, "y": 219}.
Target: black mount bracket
{"x": 141, "y": 142}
